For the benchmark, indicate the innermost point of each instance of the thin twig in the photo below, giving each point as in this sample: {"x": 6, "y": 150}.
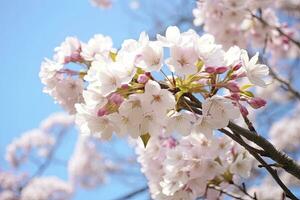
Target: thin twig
{"x": 132, "y": 194}
{"x": 280, "y": 31}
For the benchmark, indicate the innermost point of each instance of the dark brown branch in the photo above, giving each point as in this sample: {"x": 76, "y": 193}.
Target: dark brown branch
{"x": 271, "y": 171}
{"x": 229, "y": 194}
{"x": 285, "y": 83}
{"x": 287, "y": 163}
{"x": 281, "y": 158}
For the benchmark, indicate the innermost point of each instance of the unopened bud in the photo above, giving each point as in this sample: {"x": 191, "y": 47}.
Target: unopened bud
{"x": 232, "y": 86}
{"x": 235, "y": 96}
{"x": 170, "y": 143}
{"x": 257, "y": 102}
{"x": 116, "y": 99}
{"x": 221, "y": 70}
{"x": 237, "y": 67}
{"x": 244, "y": 110}
{"x": 210, "y": 70}
{"x": 142, "y": 78}
{"x": 102, "y": 111}
{"x": 125, "y": 86}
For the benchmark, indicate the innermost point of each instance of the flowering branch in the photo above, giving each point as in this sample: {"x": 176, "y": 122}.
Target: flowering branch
{"x": 259, "y": 159}
{"x": 117, "y": 93}
{"x": 281, "y": 32}
{"x": 41, "y": 169}
{"x": 229, "y": 194}
{"x": 286, "y": 84}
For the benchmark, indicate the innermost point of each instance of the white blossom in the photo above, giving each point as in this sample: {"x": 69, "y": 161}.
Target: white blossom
{"x": 256, "y": 73}
{"x": 46, "y": 188}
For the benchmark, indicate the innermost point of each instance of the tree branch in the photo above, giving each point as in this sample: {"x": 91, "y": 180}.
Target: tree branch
{"x": 271, "y": 171}
{"x": 132, "y": 194}
{"x": 280, "y": 31}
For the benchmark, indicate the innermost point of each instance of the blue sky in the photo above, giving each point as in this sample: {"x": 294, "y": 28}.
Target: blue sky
{"x": 29, "y": 31}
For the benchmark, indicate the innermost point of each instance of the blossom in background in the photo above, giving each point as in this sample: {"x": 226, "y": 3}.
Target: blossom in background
{"x": 46, "y": 188}
{"x": 101, "y": 3}
{"x": 234, "y": 18}
{"x": 86, "y": 166}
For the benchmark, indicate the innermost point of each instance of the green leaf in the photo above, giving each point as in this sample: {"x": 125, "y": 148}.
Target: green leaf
{"x": 245, "y": 87}
{"x": 248, "y": 93}
{"x": 199, "y": 65}
{"x": 145, "y": 138}
{"x": 179, "y": 94}
{"x": 113, "y": 55}
{"x": 228, "y": 176}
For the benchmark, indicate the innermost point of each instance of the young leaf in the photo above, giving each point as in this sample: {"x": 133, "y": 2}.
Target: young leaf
{"x": 145, "y": 138}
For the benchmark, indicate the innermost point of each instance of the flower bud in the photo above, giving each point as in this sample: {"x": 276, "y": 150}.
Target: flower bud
{"x": 116, "y": 99}
{"x": 210, "y": 70}
{"x": 235, "y": 96}
{"x": 221, "y": 70}
{"x": 142, "y": 78}
{"x": 170, "y": 143}
{"x": 237, "y": 67}
{"x": 125, "y": 86}
{"x": 102, "y": 111}
{"x": 257, "y": 102}
{"x": 243, "y": 110}
{"x": 148, "y": 74}
{"x": 232, "y": 86}
{"x": 75, "y": 57}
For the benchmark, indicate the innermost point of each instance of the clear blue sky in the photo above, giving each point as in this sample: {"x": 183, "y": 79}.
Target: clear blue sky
{"x": 29, "y": 31}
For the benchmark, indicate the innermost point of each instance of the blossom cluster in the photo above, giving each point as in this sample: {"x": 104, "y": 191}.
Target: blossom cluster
{"x": 118, "y": 91}
{"x": 44, "y": 188}
{"x": 39, "y": 140}
{"x": 184, "y": 168}
{"x": 236, "y": 18}
{"x": 86, "y": 167}
{"x": 137, "y": 91}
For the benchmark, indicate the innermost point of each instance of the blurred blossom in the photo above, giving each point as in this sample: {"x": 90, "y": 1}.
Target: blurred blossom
{"x": 20, "y": 149}
{"x": 101, "y": 3}
{"x": 87, "y": 167}
{"x": 46, "y": 188}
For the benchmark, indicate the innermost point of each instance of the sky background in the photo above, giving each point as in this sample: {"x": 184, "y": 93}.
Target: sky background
{"x": 29, "y": 31}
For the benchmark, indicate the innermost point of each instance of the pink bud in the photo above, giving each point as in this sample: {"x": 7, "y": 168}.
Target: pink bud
{"x": 232, "y": 86}
{"x": 102, "y": 111}
{"x": 148, "y": 74}
{"x": 235, "y": 96}
{"x": 257, "y": 102}
{"x": 221, "y": 70}
{"x": 237, "y": 67}
{"x": 125, "y": 86}
{"x": 170, "y": 143}
{"x": 241, "y": 75}
{"x": 116, "y": 99}
{"x": 210, "y": 70}
{"x": 75, "y": 57}
{"x": 233, "y": 76}
{"x": 67, "y": 59}
{"x": 243, "y": 110}
{"x": 143, "y": 78}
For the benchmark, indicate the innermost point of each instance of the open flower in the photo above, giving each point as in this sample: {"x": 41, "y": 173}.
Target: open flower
{"x": 256, "y": 73}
